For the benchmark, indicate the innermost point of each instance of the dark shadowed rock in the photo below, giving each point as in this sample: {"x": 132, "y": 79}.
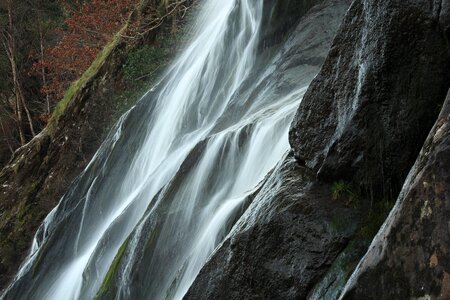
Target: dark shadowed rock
{"x": 410, "y": 256}
{"x": 367, "y": 113}
{"x": 287, "y": 239}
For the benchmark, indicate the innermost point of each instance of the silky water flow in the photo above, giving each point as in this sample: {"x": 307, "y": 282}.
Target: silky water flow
{"x": 174, "y": 174}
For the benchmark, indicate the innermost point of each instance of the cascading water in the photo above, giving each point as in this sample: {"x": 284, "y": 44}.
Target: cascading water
{"x": 175, "y": 173}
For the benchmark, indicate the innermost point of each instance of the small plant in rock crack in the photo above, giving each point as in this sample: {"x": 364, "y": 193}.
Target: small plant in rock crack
{"x": 343, "y": 191}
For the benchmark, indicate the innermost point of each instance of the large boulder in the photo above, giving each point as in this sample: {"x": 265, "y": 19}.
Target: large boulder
{"x": 368, "y": 112}
{"x": 410, "y": 256}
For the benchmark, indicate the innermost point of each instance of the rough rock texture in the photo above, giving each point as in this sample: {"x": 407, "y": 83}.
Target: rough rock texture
{"x": 287, "y": 239}
{"x": 367, "y": 113}
{"x": 279, "y": 17}
{"x": 333, "y": 282}
{"x": 410, "y": 256}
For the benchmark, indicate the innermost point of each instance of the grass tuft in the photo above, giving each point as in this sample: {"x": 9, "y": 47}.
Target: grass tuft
{"x": 345, "y": 192}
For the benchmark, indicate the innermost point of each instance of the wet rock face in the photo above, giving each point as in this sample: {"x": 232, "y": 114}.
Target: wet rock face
{"x": 367, "y": 113}
{"x": 284, "y": 243}
{"x": 280, "y": 16}
{"x": 409, "y": 258}
{"x": 292, "y": 232}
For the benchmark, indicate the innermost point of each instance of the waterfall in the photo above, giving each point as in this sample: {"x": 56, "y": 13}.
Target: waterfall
{"x": 174, "y": 174}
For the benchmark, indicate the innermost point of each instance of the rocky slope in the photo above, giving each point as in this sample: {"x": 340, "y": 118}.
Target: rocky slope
{"x": 40, "y": 172}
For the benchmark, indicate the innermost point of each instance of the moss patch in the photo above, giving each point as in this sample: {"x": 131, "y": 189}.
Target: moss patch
{"x": 377, "y": 215}
{"x": 112, "y": 270}
{"x": 144, "y": 65}
{"x": 332, "y": 284}
{"x": 79, "y": 84}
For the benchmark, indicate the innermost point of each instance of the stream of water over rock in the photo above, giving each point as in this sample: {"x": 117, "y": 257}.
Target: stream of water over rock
{"x": 175, "y": 173}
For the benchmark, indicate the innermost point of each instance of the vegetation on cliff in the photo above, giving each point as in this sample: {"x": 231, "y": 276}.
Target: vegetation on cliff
{"x": 49, "y": 48}
{"x": 39, "y": 172}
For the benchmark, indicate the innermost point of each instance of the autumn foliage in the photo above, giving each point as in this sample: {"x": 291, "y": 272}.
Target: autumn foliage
{"x": 46, "y": 45}
{"x": 87, "y": 29}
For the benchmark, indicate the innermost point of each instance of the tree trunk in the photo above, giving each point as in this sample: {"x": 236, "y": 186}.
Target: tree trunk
{"x": 174, "y": 19}
{"x": 44, "y": 79}
{"x": 17, "y": 103}
{"x": 20, "y": 100}
{"x": 7, "y": 139}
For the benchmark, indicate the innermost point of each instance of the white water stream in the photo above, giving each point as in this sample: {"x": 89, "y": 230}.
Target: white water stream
{"x": 174, "y": 174}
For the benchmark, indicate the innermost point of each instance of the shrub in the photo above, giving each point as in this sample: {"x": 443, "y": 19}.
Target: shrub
{"x": 144, "y": 62}
{"x": 344, "y": 191}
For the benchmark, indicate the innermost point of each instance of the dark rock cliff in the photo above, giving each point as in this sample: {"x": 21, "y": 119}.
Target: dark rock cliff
{"x": 367, "y": 113}
{"x": 409, "y": 258}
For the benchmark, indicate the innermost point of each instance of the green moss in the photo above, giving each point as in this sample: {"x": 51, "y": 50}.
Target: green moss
{"x": 144, "y": 62}
{"x": 333, "y": 282}
{"x": 125, "y": 100}
{"x": 78, "y": 85}
{"x": 112, "y": 271}
{"x": 21, "y": 210}
{"x": 373, "y": 214}
{"x": 143, "y": 66}
{"x": 375, "y": 218}
{"x": 339, "y": 223}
